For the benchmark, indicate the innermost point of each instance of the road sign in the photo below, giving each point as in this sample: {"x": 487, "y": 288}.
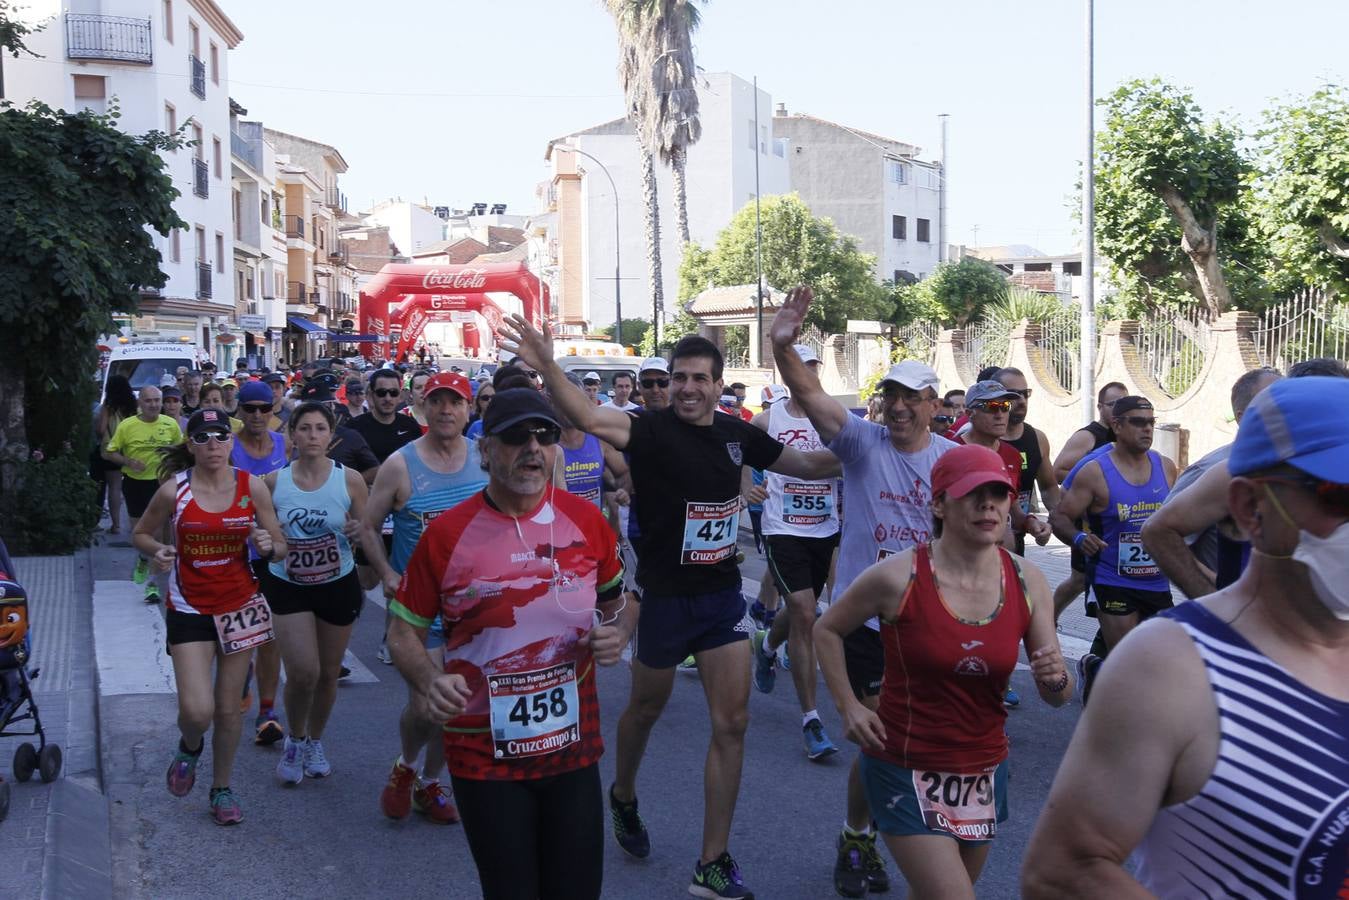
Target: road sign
{"x": 253, "y": 323}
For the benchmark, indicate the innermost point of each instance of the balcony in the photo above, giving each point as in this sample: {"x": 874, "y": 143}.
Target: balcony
{"x": 246, "y": 151}
{"x": 203, "y": 280}
{"x": 296, "y": 292}
{"x": 113, "y": 38}
{"x": 335, "y": 199}
{"x": 294, "y": 226}
{"x": 198, "y": 76}
{"x": 201, "y": 178}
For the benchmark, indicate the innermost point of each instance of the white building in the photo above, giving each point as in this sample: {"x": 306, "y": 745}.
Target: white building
{"x": 166, "y": 64}
{"x": 582, "y": 238}
{"x": 412, "y": 226}
{"x": 260, "y": 262}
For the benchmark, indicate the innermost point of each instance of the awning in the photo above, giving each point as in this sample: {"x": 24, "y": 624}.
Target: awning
{"x": 306, "y": 326}
{"x": 338, "y": 337}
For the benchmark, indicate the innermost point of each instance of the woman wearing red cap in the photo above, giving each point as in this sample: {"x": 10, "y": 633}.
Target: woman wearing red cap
{"x": 952, "y": 615}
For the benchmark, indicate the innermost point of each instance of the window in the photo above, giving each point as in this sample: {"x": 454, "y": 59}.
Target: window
{"x": 215, "y": 63}
{"x": 215, "y": 151}
{"x": 753, "y": 139}
{"x": 219, "y": 252}
{"x": 194, "y": 37}
{"x": 1038, "y": 267}
{"x": 201, "y": 244}
{"x": 91, "y": 92}
{"x": 200, "y": 149}
{"x": 176, "y": 249}
{"x": 266, "y": 216}
{"x": 237, "y": 199}
{"x": 924, "y": 228}
{"x": 780, "y": 147}
{"x": 248, "y": 287}
{"x": 899, "y": 172}
{"x": 1072, "y": 268}
{"x": 170, "y": 118}
{"x": 280, "y": 289}
{"x": 168, "y": 21}
{"x": 763, "y": 139}
{"x": 899, "y": 228}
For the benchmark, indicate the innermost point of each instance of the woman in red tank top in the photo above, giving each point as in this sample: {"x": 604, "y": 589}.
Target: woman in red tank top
{"x": 215, "y": 613}
{"x": 952, "y": 615}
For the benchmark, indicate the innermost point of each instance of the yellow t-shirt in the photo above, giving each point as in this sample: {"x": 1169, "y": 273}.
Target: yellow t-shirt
{"x": 136, "y": 438}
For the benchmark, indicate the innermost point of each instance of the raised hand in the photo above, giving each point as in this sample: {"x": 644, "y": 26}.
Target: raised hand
{"x": 518, "y": 336}
{"x": 787, "y": 323}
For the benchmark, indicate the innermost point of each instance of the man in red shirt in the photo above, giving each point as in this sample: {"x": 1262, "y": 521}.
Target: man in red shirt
{"x": 989, "y": 404}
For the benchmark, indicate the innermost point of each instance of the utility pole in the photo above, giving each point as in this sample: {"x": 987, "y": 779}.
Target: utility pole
{"x": 758, "y": 237}
{"x": 1087, "y": 363}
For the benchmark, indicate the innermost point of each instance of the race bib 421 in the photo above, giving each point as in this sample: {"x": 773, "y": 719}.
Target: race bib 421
{"x": 710, "y": 531}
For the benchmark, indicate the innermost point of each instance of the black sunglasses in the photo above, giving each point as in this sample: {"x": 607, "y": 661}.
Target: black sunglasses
{"x": 519, "y": 435}
{"x": 203, "y": 437}
{"x": 255, "y": 407}
{"x": 386, "y": 392}
{"x": 650, "y": 383}
{"x": 943, "y": 420}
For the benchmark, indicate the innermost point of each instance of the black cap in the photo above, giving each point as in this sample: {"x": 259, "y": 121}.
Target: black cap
{"x": 274, "y": 377}
{"x": 517, "y": 405}
{"x": 317, "y": 391}
{"x": 166, "y": 391}
{"x": 1129, "y": 404}
{"x": 208, "y": 420}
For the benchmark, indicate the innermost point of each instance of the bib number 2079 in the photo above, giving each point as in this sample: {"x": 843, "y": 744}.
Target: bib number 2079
{"x": 961, "y": 804}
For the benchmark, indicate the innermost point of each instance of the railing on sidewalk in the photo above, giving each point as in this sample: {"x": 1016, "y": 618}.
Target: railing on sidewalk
{"x": 108, "y": 37}
{"x": 1308, "y": 324}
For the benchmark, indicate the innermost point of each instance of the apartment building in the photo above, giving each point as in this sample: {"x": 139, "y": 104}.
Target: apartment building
{"x": 260, "y": 253}
{"x": 166, "y": 63}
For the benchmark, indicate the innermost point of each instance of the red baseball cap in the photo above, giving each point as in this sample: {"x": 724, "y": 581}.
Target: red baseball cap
{"x": 452, "y": 381}
{"x": 965, "y": 468}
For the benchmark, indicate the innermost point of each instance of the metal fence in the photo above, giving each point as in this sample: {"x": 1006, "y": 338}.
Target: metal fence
{"x": 918, "y": 340}
{"x": 1061, "y": 346}
{"x": 987, "y": 343}
{"x": 108, "y": 37}
{"x": 1172, "y": 346}
{"x": 1307, "y": 325}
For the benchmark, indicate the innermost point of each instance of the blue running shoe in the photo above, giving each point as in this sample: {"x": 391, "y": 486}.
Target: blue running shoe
{"x": 818, "y": 745}
{"x": 1011, "y": 699}
{"x": 765, "y": 667}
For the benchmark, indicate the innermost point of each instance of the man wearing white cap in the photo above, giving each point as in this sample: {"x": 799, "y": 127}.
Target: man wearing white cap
{"x": 590, "y": 383}
{"x": 887, "y": 487}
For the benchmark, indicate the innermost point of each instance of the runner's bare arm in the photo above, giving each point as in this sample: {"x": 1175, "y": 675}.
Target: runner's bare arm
{"x": 446, "y": 695}
{"x": 535, "y": 347}
{"x": 1169, "y": 470}
{"x": 1087, "y": 487}
{"x": 359, "y": 495}
{"x": 1045, "y": 476}
{"x": 1147, "y": 708}
{"x": 390, "y": 485}
{"x": 148, "y": 528}
{"x": 825, "y": 413}
{"x": 813, "y": 466}
{"x": 264, "y": 511}
{"x": 1200, "y": 505}
{"x": 1079, "y": 445}
{"x": 1042, "y": 640}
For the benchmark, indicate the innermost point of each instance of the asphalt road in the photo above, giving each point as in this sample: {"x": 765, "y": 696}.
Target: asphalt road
{"x": 328, "y": 838}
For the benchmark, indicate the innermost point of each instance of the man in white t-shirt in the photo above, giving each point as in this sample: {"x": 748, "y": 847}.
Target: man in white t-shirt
{"x": 623, "y": 388}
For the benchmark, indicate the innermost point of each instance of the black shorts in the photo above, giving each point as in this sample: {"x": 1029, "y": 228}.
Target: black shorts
{"x": 358, "y": 552}
{"x": 1122, "y": 601}
{"x": 671, "y": 627}
{"x": 137, "y": 494}
{"x": 864, "y": 657}
{"x": 336, "y": 602}
{"x": 797, "y": 563}
{"x": 188, "y": 628}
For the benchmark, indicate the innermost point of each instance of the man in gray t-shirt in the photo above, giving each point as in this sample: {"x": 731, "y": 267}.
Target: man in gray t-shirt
{"x": 887, "y": 508}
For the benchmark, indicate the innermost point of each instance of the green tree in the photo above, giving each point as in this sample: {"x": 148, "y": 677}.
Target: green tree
{"x": 1169, "y": 186}
{"x": 633, "y": 329}
{"x": 74, "y": 247}
{"x": 798, "y": 248}
{"x": 960, "y": 291}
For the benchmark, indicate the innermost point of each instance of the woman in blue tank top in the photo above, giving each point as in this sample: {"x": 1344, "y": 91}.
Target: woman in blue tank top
{"x": 314, "y": 593}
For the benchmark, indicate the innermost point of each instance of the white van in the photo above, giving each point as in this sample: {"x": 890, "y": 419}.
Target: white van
{"x": 145, "y": 364}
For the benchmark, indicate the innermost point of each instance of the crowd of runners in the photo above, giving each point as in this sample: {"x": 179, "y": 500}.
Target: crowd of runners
{"x": 525, "y": 530}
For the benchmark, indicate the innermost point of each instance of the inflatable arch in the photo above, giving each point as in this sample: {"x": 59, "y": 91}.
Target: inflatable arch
{"x": 399, "y": 302}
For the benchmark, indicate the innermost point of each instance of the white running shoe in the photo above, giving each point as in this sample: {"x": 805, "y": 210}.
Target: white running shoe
{"x": 290, "y": 768}
{"x": 316, "y": 764}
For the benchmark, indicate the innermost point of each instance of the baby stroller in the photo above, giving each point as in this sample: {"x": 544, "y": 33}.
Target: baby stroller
{"x": 16, "y": 695}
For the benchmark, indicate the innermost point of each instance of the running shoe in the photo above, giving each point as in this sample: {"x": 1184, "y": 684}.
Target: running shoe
{"x": 343, "y": 672}
{"x": 267, "y": 730}
{"x": 850, "y": 870}
{"x": 1011, "y": 699}
{"x": 1087, "y": 667}
{"x": 784, "y": 659}
{"x": 759, "y": 613}
{"x": 818, "y": 745}
{"x": 395, "y": 801}
{"x": 629, "y": 829}
{"x": 152, "y": 593}
{"x": 182, "y": 772}
{"x": 430, "y": 800}
{"x": 225, "y": 807}
{"x": 688, "y": 665}
{"x": 383, "y": 654}
{"x": 140, "y": 571}
{"x": 720, "y": 880}
{"x": 316, "y": 763}
{"x": 765, "y": 667}
{"x": 290, "y": 768}
{"x": 878, "y": 880}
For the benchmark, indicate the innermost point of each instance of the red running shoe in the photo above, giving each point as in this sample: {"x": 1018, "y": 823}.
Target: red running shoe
{"x": 395, "y": 801}
{"x": 432, "y": 802}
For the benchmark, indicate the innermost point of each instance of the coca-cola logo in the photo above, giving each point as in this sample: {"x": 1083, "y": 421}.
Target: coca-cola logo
{"x": 466, "y": 279}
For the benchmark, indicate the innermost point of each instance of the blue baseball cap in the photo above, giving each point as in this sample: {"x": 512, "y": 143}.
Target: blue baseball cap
{"x": 255, "y": 392}
{"x": 1287, "y": 422}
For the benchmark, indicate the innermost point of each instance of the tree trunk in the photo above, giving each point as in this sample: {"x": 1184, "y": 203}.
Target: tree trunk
{"x": 1334, "y": 242}
{"x": 1201, "y": 245}
{"x": 651, "y": 201}
{"x": 678, "y": 162}
{"x": 13, "y": 435}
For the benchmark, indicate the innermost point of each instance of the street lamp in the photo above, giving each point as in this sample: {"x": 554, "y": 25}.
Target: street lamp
{"x": 618, "y": 284}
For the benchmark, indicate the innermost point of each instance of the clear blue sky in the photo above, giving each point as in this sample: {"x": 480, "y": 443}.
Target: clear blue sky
{"x": 455, "y": 101}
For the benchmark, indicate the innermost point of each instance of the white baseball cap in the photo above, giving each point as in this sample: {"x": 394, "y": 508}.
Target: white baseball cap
{"x": 590, "y": 376}
{"x": 913, "y": 375}
{"x": 806, "y": 353}
{"x": 655, "y": 364}
{"x": 772, "y": 393}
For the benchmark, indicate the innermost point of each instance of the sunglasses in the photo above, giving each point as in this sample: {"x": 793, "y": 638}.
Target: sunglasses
{"x": 519, "y": 435}
{"x": 386, "y": 392}
{"x": 351, "y": 392}
{"x": 256, "y": 408}
{"x": 993, "y": 405}
{"x": 650, "y": 383}
{"x": 205, "y": 437}
{"x": 1330, "y": 493}
{"x": 1140, "y": 421}
{"x": 1023, "y": 393}
{"x": 943, "y": 420}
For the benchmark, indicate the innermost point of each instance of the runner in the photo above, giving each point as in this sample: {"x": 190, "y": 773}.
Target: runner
{"x": 887, "y": 470}
{"x": 135, "y": 446}
{"x": 215, "y": 615}
{"x": 417, "y": 397}
{"x": 589, "y": 467}
{"x": 416, "y": 484}
{"x": 686, "y": 468}
{"x": 800, "y": 535}
{"x": 119, "y": 403}
{"x": 590, "y": 383}
{"x": 313, "y": 592}
{"x": 623, "y": 390}
{"x": 989, "y": 407}
{"x": 1033, "y": 446}
{"x": 523, "y": 732}
{"x": 1216, "y": 761}
{"x": 952, "y": 613}
{"x": 482, "y": 396}
{"x": 1118, "y": 491}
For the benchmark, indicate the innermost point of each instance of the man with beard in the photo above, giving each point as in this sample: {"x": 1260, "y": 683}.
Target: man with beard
{"x": 1032, "y": 445}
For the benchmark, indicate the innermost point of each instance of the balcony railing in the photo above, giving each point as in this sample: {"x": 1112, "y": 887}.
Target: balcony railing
{"x": 203, "y": 280}
{"x": 296, "y": 292}
{"x": 108, "y": 37}
{"x": 198, "y": 76}
{"x": 246, "y": 151}
{"x": 294, "y": 226}
{"x": 339, "y": 255}
{"x": 201, "y": 178}
{"x": 335, "y": 199}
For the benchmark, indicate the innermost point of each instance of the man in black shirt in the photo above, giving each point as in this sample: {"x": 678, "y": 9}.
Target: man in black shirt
{"x": 383, "y": 427}
{"x": 686, "y": 467}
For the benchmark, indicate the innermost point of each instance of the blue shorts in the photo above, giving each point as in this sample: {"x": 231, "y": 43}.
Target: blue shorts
{"x": 894, "y": 801}
{"x": 670, "y": 627}
{"x": 435, "y": 635}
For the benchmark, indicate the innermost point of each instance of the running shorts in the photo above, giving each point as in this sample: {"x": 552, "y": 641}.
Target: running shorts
{"x": 864, "y": 657}
{"x": 336, "y": 602}
{"x": 797, "y": 563}
{"x": 1122, "y": 601}
{"x": 893, "y": 798}
{"x": 670, "y": 627}
{"x": 138, "y": 492}
{"x": 188, "y": 628}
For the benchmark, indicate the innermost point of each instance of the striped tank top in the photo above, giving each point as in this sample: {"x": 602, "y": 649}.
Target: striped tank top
{"x": 1273, "y": 818}
{"x": 432, "y": 493}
